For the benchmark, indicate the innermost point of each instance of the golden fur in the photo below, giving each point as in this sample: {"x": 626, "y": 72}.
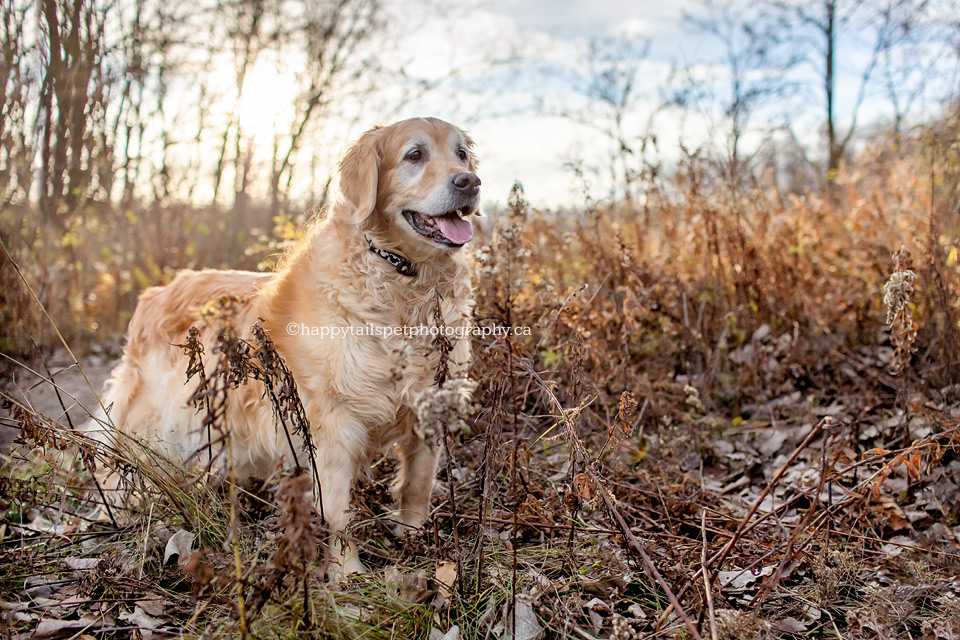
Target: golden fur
{"x": 359, "y": 392}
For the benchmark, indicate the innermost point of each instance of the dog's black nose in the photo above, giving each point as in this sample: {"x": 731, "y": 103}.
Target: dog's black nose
{"x": 469, "y": 183}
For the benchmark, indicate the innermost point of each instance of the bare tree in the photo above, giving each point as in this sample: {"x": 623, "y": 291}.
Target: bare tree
{"x": 610, "y": 84}
{"x": 245, "y": 36}
{"x": 330, "y": 34}
{"x": 915, "y": 64}
{"x": 15, "y": 84}
{"x": 72, "y": 53}
{"x": 755, "y": 64}
{"x": 827, "y": 28}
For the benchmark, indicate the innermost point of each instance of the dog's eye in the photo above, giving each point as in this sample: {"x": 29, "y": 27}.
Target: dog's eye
{"x": 414, "y": 156}
{"x": 462, "y": 153}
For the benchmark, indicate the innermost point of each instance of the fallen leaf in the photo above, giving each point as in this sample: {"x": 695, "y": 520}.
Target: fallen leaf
{"x": 597, "y": 605}
{"x": 152, "y": 606}
{"x": 49, "y": 627}
{"x": 889, "y": 512}
{"x": 771, "y": 440}
{"x": 453, "y": 633}
{"x": 897, "y": 545}
{"x": 178, "y": 546}
{"x": 595, "y": 619}
{"x": 446, "y": 577}
{"x": 594, "y": 607}
{"x": 740, "y": 579}
{"x": 528, "y": 627}
{"x": 792, "y": 626}
{"x": 39, "y": 524}
{"x": 81, "y": 564}
{"x": 146, "y": 623}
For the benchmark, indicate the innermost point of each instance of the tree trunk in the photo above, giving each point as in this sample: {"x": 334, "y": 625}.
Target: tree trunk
{"x": 833, "y": 147}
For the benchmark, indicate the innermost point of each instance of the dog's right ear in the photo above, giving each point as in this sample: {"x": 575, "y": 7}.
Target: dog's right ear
{"x": 360, "y": 175}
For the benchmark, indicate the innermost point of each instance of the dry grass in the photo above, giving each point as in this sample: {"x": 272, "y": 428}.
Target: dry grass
{"x": 716, "y": 428}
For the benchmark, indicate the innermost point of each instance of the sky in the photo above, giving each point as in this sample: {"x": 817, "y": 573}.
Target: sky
{"x": 519, "y": 139}
{"x": 498, "y": 101}
{"x": 508, "y": 71}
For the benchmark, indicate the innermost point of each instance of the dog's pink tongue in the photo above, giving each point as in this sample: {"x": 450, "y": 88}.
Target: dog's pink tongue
{"x": 454, "y": 228}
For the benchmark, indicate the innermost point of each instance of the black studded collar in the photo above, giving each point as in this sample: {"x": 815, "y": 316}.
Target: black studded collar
{"x": 403, "y": 265}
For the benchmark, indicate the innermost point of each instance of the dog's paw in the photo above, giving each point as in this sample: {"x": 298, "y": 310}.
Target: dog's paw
{"x": 342, "y": 570}
{"x": 402, "y": 531}
{"x": 406, "y": 524}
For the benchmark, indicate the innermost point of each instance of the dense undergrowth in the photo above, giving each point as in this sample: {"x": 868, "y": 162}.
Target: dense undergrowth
{"x": 737, "y": 415}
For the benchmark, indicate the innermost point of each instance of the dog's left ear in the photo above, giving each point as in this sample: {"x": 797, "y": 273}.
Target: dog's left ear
{"x": 360, "y": 175}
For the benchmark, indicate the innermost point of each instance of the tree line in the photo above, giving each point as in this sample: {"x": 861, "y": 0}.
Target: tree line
{"x": 108, "y": 102}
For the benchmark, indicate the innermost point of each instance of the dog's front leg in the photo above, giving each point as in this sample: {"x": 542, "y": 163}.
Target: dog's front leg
{"x": 337, "y": 462}
{"x": 415, "y": 480}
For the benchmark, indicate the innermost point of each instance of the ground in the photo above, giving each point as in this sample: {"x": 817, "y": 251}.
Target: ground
{"x": 75, "y": 391}
{"x": 719, "y": 431}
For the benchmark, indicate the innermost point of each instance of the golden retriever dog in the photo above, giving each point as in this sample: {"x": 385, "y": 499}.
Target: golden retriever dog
{"x": 387, "y": 253}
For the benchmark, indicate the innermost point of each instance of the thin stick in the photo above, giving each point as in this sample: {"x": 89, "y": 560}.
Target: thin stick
{"x": 532, "y": 525}
{"x": 720, "y": 557}
{"x": 743, "y": 527}
{"x": 453, "y": 508}
{"x": 706, "y": 577}
{"x": 146, "y": 537}
{"x": 482, "y": 519}
{"x": 513, "y": 488}
{"x": 649, "y": 567}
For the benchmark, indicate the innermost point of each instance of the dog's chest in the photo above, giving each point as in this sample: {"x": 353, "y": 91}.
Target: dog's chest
{"x": 435, "y": 337}
{"x": 418, "y": 341}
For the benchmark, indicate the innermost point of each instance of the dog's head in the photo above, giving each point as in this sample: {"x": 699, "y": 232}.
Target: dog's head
{"x": 413, "y": 182}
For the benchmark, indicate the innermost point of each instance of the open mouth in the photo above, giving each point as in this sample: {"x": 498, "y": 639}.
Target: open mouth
{"x": 449, "y": 229}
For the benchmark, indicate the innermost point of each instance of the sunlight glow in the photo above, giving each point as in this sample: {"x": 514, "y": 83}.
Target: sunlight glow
{"x": 268, "y": 103}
